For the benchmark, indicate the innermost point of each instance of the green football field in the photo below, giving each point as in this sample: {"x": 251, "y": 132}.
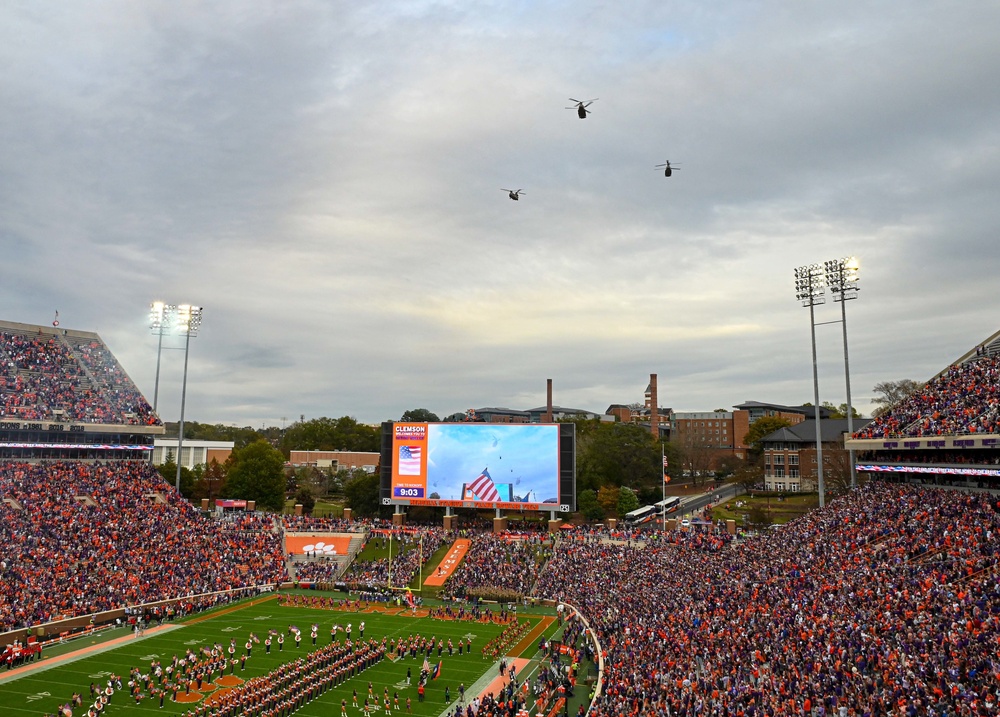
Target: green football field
{"x": 52, "y": 683}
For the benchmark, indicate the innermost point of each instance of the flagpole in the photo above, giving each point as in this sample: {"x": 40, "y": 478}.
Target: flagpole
{"x": 421, "y": 562}
{"x": 663, "y": 480}
{"x": 389, "y": 581}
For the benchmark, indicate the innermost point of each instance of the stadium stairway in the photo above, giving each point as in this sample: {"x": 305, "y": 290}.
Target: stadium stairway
{"x": 278, "y": 527}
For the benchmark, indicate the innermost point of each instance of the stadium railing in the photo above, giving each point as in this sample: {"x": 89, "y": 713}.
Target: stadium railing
{"x": 598, "y": 650}
{"x": 61, "y": 629}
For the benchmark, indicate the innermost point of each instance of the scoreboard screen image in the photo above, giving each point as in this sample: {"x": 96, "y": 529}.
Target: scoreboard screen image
{"x": 474, "y": 465}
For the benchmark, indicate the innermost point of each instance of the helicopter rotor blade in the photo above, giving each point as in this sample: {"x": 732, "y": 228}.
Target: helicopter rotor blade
{"x": 572, "y": 100}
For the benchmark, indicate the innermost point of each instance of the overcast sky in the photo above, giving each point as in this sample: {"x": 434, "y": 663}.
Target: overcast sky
{"x": 324, "y": 179}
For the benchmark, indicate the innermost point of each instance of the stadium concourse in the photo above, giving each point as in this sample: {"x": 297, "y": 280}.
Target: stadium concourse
{"x": 887, "y": 601}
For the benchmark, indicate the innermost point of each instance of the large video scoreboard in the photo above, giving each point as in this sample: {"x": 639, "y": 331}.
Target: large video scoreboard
{"x": 522, "y": 467}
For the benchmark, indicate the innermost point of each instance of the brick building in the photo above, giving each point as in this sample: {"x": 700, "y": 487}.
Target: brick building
{"x": 706, "y": 437}
{"x": 792, "y": 414}
{"x": 790, "y": 454}
{"x": 350, "y": 460}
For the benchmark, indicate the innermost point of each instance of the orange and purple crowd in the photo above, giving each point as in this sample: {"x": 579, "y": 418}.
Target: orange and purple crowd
{"x": 81, "y": 538}
{"x": 963, "y": 399}
{"x": 886, "y": 602}
{"x": 67, "y": 378}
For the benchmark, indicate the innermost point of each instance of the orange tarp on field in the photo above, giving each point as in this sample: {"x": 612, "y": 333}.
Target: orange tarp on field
{"x": 449, "y": 562}
{"x": 320, "y": 545}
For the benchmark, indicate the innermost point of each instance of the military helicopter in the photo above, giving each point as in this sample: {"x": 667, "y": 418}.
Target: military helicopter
{"x": 581, "y": 107}
{"x": 514, "y": 194}
{"x": 668, "y": 170}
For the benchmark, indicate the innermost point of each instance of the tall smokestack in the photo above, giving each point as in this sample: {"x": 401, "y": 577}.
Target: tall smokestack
{"x": 548, "y": 400}
{"x": 654, "y": 411}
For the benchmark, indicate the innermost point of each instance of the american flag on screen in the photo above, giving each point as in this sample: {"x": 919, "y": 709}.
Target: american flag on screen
{"x": 409, "y": 460}
{"x": 483, "y": 487}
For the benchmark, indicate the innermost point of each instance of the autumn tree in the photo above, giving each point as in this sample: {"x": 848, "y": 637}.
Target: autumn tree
{"x": 759, "y": 518}
{"x": 749, "y": 476}
{"x": 587, "y": 505}
{"x": 889, "y": 393}
{"x": 168, "y": 470}
{"x": 617, "y": 454}
{"x": 838, "y": 411}
{"x": 760, "y": 428}
{"x": 215, "y": 479}
{"x": 837, "y": 471}
{"x": 331, "y": 434}
{"x": 419, "y": 415}
{"x": 607, "y": 499}
{"x": 257, "y": 472}
{"x": 696, "y": 455}
{"x": 627, "y": 501}
{"x": 362, "y": 493}
{"x": 304, "y": 497}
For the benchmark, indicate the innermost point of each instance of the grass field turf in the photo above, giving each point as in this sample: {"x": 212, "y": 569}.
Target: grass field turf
{"x": 43, "y": 690}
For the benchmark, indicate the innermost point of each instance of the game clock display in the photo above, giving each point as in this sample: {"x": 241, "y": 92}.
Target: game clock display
{"x": 401, "y": 492}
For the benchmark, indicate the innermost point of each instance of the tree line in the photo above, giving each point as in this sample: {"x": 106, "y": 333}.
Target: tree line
{"x": 620, "y": 466}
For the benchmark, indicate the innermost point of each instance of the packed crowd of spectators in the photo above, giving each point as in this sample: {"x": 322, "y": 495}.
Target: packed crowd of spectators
{"x": 82, "y": 538}
{"x": 964, "y": 399}
{"x": 498, "y": 567}
{"x": 308, "y": 523}
{"x": 45, "y": 377}
{"x": 885, "y": 602}
{"x": 113, "y": 384}
{"x": 405, "y": 563}
{"x": 247, "y": 522}
{"x": 713, "y": 538}
{"x": 319, "y": 570}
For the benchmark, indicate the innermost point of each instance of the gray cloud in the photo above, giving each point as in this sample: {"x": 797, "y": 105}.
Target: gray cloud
{"x": 325, "y": 179}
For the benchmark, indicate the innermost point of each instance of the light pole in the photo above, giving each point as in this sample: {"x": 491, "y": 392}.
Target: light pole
{"x": 160, "y": 315}
{"x": 810, "y": 290}
{"x": 842, "y": 278}
{"x": 188, "y": 320}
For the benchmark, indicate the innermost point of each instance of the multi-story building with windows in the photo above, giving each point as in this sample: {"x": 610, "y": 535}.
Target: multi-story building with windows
{"x": 792, "y": 414}
{"x": 790, "y": 454}
{"x": 708, "y": 436}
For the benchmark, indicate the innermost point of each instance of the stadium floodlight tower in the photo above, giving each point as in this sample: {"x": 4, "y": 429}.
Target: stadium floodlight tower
{"x": 160, "y": 316}
{"x": 810, "y": 289}
{"x": 187, "y": 321}
{"x": 842, "y": 278}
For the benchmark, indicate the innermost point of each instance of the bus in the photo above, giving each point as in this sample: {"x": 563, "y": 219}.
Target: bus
{"x": 640, "y": 515}
{"x": 668, "y": 505}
